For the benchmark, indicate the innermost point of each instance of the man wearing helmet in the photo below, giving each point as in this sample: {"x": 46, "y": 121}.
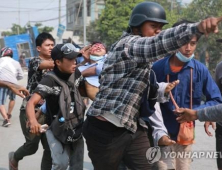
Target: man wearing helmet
{"x": 10, "y": 71}
{"x": 113, "y": 130}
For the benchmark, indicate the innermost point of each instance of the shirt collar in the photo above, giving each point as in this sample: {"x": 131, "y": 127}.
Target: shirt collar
{"x": 167, "y": 69}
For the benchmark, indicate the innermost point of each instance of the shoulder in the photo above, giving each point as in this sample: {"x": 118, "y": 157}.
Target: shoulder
{"x": 200, "y": 66}
{"x": 160, "y": 62}
{"x": 35, "y": 60}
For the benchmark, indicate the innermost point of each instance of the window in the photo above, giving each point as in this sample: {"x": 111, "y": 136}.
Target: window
{"x": 70, "y": 14}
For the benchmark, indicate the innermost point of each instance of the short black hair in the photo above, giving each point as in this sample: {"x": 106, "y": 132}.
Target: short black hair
{"x": 182, "y": 21}
{"x": 185, "y": 21}
{"x": 42, "y": 37}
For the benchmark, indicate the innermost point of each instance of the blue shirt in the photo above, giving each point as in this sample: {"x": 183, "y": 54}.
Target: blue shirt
{"x": 93, "y": 80}
{"x": 203, "y": 83}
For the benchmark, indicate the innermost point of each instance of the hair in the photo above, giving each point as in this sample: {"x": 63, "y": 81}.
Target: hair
{"x": 99, "y": 42}
{"x": 182, "y": 21}
{"x": 185, "y": 21}
{"x": 40, "y": 39}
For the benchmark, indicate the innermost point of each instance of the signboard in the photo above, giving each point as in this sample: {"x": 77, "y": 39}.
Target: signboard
{"x": 61, "y": 30}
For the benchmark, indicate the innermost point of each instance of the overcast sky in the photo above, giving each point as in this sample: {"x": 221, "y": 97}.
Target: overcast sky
{"x": 33, "y": 10}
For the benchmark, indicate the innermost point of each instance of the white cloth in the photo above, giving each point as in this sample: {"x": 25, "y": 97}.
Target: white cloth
{"x": 10, "y": 70}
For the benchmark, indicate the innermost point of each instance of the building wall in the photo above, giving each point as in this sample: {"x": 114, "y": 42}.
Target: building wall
{"x": 74, "y": 17}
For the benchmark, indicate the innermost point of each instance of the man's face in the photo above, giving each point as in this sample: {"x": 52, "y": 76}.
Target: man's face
{"x": 98, "y": 49}
{"x": 188, "y": 49}
{"x": 66, "y": 65}
{"x": 46, "y": 48}
{"x": 150, "y": 28}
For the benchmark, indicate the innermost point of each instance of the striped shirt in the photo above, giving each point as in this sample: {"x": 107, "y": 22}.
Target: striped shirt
{"x": 125, "y": 72}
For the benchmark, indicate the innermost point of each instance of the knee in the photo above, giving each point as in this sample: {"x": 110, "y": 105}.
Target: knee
{"x": 32, "y": 148}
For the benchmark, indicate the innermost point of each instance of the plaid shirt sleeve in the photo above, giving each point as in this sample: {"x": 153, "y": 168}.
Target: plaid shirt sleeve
{"x": 145, "y": 49}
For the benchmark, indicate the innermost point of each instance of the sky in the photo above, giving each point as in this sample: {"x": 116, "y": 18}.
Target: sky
{"x": 33, "y": 10}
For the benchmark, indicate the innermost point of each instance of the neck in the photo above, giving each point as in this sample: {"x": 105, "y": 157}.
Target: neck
{"x": 44, "y": 57}
{"x": 61, "y": 75}
{"x": 174, "y": 61}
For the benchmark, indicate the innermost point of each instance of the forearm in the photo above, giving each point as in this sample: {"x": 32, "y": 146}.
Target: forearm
{"x": 89, "y": 72}
{"x": 213, "y": 113}
{"x": 30, "y": 112}
{"x": 5, "y": 84}
{"x": 156, "y": 121}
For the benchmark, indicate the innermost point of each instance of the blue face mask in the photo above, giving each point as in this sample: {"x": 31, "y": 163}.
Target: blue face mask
{"x": 96, "y": 58}
{"x": 183, "y": 58}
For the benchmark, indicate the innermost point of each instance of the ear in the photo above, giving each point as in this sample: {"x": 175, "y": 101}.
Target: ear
{"x": 57, "y": 62}
{"x": 38, "y": 48}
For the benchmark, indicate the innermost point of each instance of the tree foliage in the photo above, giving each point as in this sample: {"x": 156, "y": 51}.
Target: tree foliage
{"x": 115, "y": 17}
{"x": 18, "y": 29}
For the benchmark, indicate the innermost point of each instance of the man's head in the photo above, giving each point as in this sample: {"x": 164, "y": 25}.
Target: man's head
{"x": 147, "y": 19}
{"x": 98, "y": 49}
{"x": 6, "y": 52}
{"x": 44, "y": 44}
{"x": 64, "y": 56}
{"x": 186, "y": 52}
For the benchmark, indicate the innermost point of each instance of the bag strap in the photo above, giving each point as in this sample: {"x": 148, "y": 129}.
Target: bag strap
{"x": 66, "y": 91}
{"x": 191, "y": 90}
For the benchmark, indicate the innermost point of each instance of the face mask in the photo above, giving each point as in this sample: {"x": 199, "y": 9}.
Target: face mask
{"x": 183, "y": 58}
{"x": 96, "y": 58}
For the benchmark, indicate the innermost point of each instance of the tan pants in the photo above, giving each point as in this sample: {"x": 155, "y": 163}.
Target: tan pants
{"x": 174, "y": 157}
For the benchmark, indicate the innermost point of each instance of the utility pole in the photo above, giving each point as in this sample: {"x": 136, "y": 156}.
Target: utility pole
{"x": 59, "y": 11}
{"x": 18, "y": 17}
{"x": 84, "y": 21}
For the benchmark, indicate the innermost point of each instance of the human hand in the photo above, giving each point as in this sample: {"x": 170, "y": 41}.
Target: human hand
{"x": 206, "y": 127}
{"x": 171, "y": 85}
{"x": 165, "y": 141}
{"x": 185, "y": 115}
{"x": 209, "y": 25}
{"x": 18, "y": 90}
{"x": 86, "y": 53}
{"x": 34, "y": 127}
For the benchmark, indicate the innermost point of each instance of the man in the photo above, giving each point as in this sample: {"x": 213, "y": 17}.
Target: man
{"x": 218, "y": 79}
{"x": 192, "y": 75}
{"x": 38, "y": 66}
{"x": 92, "y": 69}
{"x": 49, "y": 89}
{"x": 11, "y": 71}
{"x": 111, "y": 130}
{"x": 16, "y": 89}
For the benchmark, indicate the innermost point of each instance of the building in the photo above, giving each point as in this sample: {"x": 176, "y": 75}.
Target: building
{"x": 74, "y": 15}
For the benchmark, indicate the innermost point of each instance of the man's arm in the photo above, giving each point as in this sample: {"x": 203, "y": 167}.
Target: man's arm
{"x": 16, "y": 89}
{"x": 146, "y": 49}
{"x": 160, "y": 133}
{"x": 89, "y": 72}
{"x": 46, "y": 64}
{"x": 30, "y": 112}
{"x": 213, "y": 113}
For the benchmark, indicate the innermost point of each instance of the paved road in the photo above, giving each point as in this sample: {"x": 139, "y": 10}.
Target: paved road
{"x": 11, "y": 138}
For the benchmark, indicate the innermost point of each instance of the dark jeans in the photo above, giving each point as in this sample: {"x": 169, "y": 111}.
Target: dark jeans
{"x": 31, "y": 145}
{"x": 219, "y": 145}
{"x": 108, "y": 145}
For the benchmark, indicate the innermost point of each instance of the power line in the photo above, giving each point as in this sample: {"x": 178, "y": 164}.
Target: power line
{"x": 49, "y": 19}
